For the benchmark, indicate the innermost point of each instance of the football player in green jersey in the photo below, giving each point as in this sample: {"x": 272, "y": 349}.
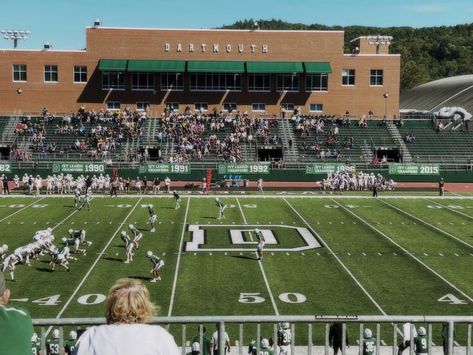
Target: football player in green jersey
{"x": 70, "y": 344}
{"x": 177, "y": 199}
{"x": 126, "y": 238}
{"x": 265, "y": 348}
{"x": 421, "y": 344}
{"x": 369, "y": 342}
{"x": 52, "y": 345}
{"x": 74, "y": 243}
{"x": 152, "y": 218}
{"x": 35, "y": 345}
{"x": 221, "y": 208}
{"x": 130, "y": 252}
{"x": 157, "y": 264}
{"x": 79, "y": 234}
{"x": 284, "y": 339}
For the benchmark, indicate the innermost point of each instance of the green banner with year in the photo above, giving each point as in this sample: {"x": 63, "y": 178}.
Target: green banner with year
{"x": 414, "y": 169}
{"x": 165, "y": 168}
{"x": 244, "y": 168}
{"x": 78, "y": 167}
{"x": 321, "y": 168}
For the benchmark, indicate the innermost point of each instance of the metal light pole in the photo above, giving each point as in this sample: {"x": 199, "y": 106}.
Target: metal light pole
{"x": 15, "y": 35}
{"x": 386, "y": 95}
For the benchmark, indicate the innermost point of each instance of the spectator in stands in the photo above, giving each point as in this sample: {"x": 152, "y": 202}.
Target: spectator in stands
{"x": 128, "y": 310}
{"x": 16, "y": 327}
{"x": 335, "y": 337}
{"x": 215, "y": 341}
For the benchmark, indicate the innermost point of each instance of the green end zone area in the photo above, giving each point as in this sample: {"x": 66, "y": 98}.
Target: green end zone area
{"x": 323, "y": 256}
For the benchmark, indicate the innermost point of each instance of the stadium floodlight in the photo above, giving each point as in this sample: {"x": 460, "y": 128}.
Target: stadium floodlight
{"x": 15, "y": 35}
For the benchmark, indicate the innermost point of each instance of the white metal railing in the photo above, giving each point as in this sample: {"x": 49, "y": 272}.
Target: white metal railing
{"x": 325, "y": 321}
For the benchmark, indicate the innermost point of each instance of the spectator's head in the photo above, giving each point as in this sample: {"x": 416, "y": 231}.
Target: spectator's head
{"x": 128, "y": 302}
{"x": 4, "y": 291}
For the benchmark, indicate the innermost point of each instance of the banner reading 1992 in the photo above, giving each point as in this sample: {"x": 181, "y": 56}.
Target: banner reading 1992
{"x": 165, "y": 168}
{"x": 414, "y": 169}
{"x": 77, "y": 167}
{"x": 248, "y": 168}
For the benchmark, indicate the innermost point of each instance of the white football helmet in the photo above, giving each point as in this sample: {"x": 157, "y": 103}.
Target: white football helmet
{"x": 257, "y": 231}
{"x": 56, "y": 334}
{"x": 367, "y": 333}
{"x": 49, "y": 229}
{"x": 195, "y": 346}
{"x": 123, "y": 233}
{"x": 64, "y": 240}
{"x": 70, "y": 231}
{"x": 131, "y": 226}
{"x": 265, "y": 343}
{"x": 34, "y": 338}
{"x": 422, "y": 331}
{"x": 51, "y": 237}
{"x": 73, "y": 335}
{"x": 149, "y": 253}
{"x": 216, "y": 199}
{"x": 5, "y": 247}
{"x": 285, "y": 325}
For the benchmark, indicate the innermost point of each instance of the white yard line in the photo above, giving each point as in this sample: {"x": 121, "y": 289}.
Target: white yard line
{"x": 271, "y": 296}
{"x": 407, "y": 252}
{"x": 428, "y": 224}
{"x": 94, "y": 264}
{"x": 181, "y": 242}
{"x": 452, "y": 209}
{"x": 339, "y": 260}
{"x": 21, "y": 209}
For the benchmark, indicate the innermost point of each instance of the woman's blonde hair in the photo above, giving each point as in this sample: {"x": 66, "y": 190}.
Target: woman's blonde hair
{"x": 128, "y": 302}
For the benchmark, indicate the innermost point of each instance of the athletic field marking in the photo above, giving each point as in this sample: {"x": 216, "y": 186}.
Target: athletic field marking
{"x": 93, "y": 266}
{"x": 174, "y": 283}
{"x": 429, "y": 225}
{"x": 453, "y": 210}
{"x": 338, "y": 259}
{"x": 21, "y": 209}
{"x": 275, "y": 307}
{"x": 407, "y": 252}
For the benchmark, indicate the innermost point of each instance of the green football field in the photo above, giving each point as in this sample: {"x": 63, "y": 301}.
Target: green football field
{"x": 325, "y": 255}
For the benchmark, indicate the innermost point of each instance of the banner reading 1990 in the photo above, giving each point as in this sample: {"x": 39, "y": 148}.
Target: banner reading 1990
{"x": 414, "y": 169}
{"x": 165, "y": 168}
{"x": 248, "y": 168}
{"x": 76, "y": 167}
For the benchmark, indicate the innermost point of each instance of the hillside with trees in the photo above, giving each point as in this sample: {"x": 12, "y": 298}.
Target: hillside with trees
{"x": 427, "y": 53}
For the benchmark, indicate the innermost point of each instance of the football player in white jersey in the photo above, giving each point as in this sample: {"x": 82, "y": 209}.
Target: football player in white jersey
{"x": 77, "y": 198}
{"x": 130, "y": 251}
{"x": 137, "y": 235}
{"x": 261, "y": 242}
{"x": 9, "y": 265}
{"x": 3, "y": 251}
{"x": 86, "y": 202}
{"x": 284, "y": 339}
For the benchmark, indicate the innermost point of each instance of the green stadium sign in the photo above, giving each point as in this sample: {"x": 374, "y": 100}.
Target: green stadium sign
{"x": 414, "y": 169}
{"x": 165, "y": 168}
{"x": 321, "y": 168}
{"x": 248, "y": 168}
{"x": 76, "y": 167}
{"x": 5, "y": 168}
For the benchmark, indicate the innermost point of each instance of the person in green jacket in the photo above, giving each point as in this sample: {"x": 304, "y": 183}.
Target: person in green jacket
{"x": 421, "y": 344}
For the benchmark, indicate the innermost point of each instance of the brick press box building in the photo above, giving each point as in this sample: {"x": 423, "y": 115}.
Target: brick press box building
{"x": 258, "y": 71}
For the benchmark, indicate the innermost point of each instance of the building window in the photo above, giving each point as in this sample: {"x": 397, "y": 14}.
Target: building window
{"x": 287, "y": 107}
{"x": 172, "y": 81}
{"x": 80, "y": 74}
{"x": 142, "y": 81}
{"x": 174, "y": 106}
{"x": 113, "y": 80}
{"x": 316, "y": 82}
{"x": 316, "y": 107}
{"x": 259, "y": 82}
{"x": 376, "y": 77}
{"x": 348, "y": 77}
{"x": 50, "y": 74}
{"x": 215, "y": 82}
{"x": 229, "y": 106}
{"x": 142, "y": 106}
{"x": 201, "y": 106}
{"x": 288, "y": 82}
{"x": 113, "y": 105}
{"x": 19, "y": 72}
{"x": 258, "y": 107}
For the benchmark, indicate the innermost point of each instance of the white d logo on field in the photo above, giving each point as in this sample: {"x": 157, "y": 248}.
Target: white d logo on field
{"x": 237, "y": 237}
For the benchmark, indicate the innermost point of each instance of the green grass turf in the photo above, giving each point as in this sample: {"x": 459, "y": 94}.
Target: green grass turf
{"x": 361, "y": 268}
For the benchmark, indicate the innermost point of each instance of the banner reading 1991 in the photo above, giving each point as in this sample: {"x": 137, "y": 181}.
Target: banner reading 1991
{"x": 248, "y": 168}
{"x": 321, "y": 168}
{"x": 414, "y": 169}
{"x": 165, "y": 168}
{"x": 76, "y": 167}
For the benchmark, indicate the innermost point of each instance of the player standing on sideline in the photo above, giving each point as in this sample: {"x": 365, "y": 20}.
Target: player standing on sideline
{"x": 126, "y": 238}
{"x": 266, "y": 348}
{"x": 221, "y": 208}
{"x": 369, "y": 342}
{"x": 52, "y": 345}
{"x": 421, "y": 344}
{"x": 259, "y": 186}
{"x": 114, "y": 187}
{"x": 167, "y": 183}
{"x": 375, "y": 189}
{"x": 129, "y": 251}
{"x": 406, "y": 337}
{"x": 156, "y": 186}
{"x": 87, "y": 199}
{"x": 152, "y": 218}
{"x": 157, "y": 264}
{"x": 6, "y": 189}
{"x": 284, "y": 339}
{"x": 441, "y": 187}
{"x": 177, "y": 198}
{"x": 70, "y": 344}
{"x": 137, "y": 235}
{"x": 77, "y": 198}
{"x": 261, "y": 242}
{"x": 35, "y": 344}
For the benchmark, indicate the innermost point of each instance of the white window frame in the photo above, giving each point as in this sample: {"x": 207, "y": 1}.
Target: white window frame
{"x": 74, "y": 72}
{"x": 139, "y": 87}
{"x": 376, "y": 76}
{"x": 231, "y": 104}
{"x": 314, "y": 88}
{"x": 171, "y": 88}
{"x": 315, "y": 110}
{"x": 113, "y": 104}
{"x": 174, "y": 106}
{"x": 348, "y": 76}
{"x": 201, "y": 104}
{"x": 257, "y": 89}
{"x": 287, "y": 108}
{"x": 114, "y": 88}
{"x": 284, "y": 78}
{"x": 50, "y": 72}
{"x": 258, "y": 110}
{"x": 25, "y": 71}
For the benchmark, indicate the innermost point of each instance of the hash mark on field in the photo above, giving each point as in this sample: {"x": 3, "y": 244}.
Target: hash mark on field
{"x": 318, "y": 254}
{"x": 426, "y": 254}
{"x": 342, "y": 222}
{"x": 272, "y": 253}
{"x": 302, "y": 253}
{"x": 390, "y": 222}
{"x": 348, "y": 254}
{"x": 287, "y": 253}
{"x": 379, "y": 254}
{"x": 354, "y": 222}
{"x": 456, "y": 254}
{"x": 394, "y": 254}
{"x": 226, "y": 253}
{"x": 364, "y": 254}
{"x": 440, "y": 254}
{"x": 329, "y": 222}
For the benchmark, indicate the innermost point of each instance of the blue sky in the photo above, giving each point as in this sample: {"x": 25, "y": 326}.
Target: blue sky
{"x": 62, "y": 22}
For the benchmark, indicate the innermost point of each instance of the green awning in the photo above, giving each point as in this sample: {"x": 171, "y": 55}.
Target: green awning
{"x": 197, "y": 66}
{"x": 274, "y": 67}
{"x": 317, "y": 67}
{"x": 157, "y": 66}
{"x": 112, "y": 65}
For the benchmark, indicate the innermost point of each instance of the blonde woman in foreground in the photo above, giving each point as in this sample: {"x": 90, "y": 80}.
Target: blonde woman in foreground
{"x": 126, "y": 332}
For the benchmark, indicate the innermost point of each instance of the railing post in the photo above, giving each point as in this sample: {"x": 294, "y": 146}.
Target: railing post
{"x": 221, "y": 338}
{"x": 394, "y": 339}
{"x": 450, "y": 337}
{"x": 360, "y": 339}
{"x": 240, "y": 340}
{"x": 275, "y": 337}
{"x": 61, "y": 339}
{"x": 327, "y": 330}
{"x": 258, "y": 338}
{"x": 411, "y": 337}
{"x": 201, "y": 337}
{"x": 468, "y": 339}
{"x": 183, "y": 334}
{"x": 43, "y": 341}
{"x": 309, "y": 339}
{"x": 293, "y": 338}
{"x": 378, "y": 338}
{"x": 344, "y": 338}
{"x": 429, "y": 340}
